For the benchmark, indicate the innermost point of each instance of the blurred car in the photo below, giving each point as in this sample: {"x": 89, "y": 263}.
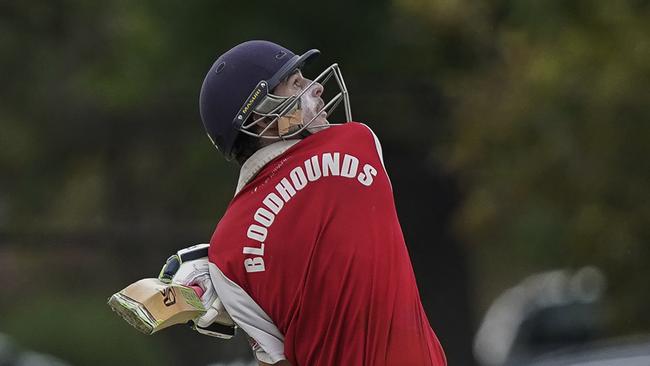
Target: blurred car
{"x": 554, "y": 318}
{"x": 622, "y": 352}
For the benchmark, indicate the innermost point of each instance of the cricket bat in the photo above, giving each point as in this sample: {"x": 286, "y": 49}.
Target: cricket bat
{"x": 150, "y": 304}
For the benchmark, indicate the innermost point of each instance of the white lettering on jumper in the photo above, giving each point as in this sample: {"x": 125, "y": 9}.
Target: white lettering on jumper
{"x": 315, "y": 168}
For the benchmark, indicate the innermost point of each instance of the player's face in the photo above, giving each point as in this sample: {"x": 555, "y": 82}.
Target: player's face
{"x": 311, "y": 101}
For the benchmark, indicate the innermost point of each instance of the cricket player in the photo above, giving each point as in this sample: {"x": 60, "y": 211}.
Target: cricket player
{"x": 309, "y": 259}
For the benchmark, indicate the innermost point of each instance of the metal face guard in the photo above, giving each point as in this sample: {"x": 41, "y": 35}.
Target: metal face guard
{"x": 286, "y": 112}
{"x": 290, "y": 123}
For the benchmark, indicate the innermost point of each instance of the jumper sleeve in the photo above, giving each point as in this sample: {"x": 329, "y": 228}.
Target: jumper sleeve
{"x": 248, "y": 315}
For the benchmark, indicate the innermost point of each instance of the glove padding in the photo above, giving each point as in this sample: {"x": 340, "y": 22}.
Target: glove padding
{"x": 190, "y": 267}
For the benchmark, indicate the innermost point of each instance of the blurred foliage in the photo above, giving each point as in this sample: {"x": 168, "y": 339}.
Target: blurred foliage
{"x": 539, "y": 109}
{"x": 551, "y": 139}
{"x": 72, "y": 329}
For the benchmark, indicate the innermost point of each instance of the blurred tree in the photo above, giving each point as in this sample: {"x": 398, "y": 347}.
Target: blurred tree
{"x": 551, "y": 141}
{"x": 105, "y": 155}
{"x": 537, "y": 109}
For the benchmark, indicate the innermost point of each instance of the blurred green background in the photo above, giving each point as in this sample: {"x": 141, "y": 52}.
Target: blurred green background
{"x": 516, "y": 134}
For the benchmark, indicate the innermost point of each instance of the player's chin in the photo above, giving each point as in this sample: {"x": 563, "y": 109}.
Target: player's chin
{"x": 322, "y": 119}
{"x": 318, "y": 124}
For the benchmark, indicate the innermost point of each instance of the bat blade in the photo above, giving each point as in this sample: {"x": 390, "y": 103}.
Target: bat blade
{"x": 150, "y": 305}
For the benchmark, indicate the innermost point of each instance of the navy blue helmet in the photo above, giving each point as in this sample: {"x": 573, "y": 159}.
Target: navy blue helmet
{"x": 241, "y": 81}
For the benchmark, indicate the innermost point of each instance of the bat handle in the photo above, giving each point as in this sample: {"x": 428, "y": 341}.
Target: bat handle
{"x": 198, "y": 290}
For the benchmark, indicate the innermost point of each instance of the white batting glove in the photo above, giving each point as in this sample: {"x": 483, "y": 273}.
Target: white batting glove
{"x": 190, "y": 267}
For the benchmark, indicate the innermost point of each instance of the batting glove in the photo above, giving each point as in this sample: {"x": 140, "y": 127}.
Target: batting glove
{"x": 190, "y": 267}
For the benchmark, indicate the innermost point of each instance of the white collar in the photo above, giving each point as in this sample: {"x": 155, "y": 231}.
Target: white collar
{"x": 259, "y": 159}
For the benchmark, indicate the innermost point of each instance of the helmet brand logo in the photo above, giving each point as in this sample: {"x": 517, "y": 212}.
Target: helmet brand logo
{"x": 251, "y": 100}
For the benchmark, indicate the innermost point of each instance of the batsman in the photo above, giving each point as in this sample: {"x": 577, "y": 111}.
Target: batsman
{"x": 309, "y": 259}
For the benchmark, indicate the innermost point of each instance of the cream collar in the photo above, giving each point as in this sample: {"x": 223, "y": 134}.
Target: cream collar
{"x": 259, "y": 159}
